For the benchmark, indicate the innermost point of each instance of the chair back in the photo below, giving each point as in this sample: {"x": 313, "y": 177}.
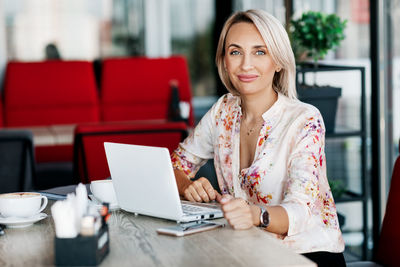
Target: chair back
{"x": 1, "y": 112}
{"x": 139, "y": 88}
{"x": 90, "y": 162}
{"x": 17, "y": 164}
{"x": 388, "y": 252}
{"x": 50, "y": 92}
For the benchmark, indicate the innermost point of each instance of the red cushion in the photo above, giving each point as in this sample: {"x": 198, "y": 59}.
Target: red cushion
{"x": 388, "y": 250}
{"x": 50, "y": 92}
{"x": 90, "y": 161}
{"x": 56, "y": 153}
{"x": 139, "y": 88}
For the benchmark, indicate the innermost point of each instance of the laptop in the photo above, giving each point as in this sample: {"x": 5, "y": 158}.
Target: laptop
{"x": 144, "y": 183}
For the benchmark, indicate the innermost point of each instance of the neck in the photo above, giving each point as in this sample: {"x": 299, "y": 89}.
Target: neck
{"x": 253, "y": 106}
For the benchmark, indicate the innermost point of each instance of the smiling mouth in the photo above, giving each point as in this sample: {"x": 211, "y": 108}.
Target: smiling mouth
{"x": 247, "y": 78}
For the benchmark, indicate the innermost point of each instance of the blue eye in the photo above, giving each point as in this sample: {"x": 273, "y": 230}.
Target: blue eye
{"x": 260, "y": 52}
{"x": 235, "y": 53}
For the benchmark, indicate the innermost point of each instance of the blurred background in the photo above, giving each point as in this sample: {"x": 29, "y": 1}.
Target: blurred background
{"x": 33, "y": 30}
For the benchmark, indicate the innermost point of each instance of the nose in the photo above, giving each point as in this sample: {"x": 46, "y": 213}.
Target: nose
{"x": 247, "y": 63}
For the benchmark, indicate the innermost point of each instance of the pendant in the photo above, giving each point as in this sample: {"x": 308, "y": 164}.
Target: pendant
{"x": 250, "y": 131}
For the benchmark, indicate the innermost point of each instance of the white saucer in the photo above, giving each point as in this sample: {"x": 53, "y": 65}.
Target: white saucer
{"x": 97, "y": 203}
{"x": 16, "y": 222}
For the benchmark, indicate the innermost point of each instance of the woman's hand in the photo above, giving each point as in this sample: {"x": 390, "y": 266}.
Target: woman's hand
{"x": 238, "y": 213}
{"x": 200, "y": 190}
{"x": 197, "y": 191}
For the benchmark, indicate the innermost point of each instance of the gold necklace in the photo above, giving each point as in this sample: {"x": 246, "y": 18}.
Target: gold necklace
{"x": 253, "y": 128}
{"x": 250, "y": 131}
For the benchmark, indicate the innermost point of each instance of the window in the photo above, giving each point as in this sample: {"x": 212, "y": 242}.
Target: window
{"x": 274, "y": 7}
{"x": 394, "y": 39}
{"x": 192, "y": 25}
{"x": 32, "y": 25}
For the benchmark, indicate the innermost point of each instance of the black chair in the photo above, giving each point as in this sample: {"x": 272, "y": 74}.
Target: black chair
{"x": 17, "y": 164}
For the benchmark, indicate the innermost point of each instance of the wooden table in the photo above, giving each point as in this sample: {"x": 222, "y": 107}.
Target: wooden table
{"x": 134, "y": 242}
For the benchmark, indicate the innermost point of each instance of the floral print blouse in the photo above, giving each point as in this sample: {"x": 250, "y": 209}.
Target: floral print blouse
{"x": 288, "y": 169}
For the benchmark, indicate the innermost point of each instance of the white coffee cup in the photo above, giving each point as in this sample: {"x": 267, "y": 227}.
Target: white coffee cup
{"x": 22, "y": 204}
{"x": 103, "y": 190}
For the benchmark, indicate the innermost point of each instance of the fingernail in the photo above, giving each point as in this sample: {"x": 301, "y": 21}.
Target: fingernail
{"x": 224, "y": 200}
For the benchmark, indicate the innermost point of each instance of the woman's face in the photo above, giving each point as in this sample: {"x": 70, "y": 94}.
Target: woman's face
{"x": 247, "y": 61}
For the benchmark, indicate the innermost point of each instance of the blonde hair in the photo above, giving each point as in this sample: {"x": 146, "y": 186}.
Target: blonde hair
{"x": 278, "y": 45}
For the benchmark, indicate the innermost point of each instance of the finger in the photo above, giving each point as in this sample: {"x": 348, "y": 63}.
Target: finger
{"x": 242, "y": 226}
{"x": 201, "y": 192}
{"x": 225, "y": 198}
{"x": 234, "y": 214}
{"x": 218, "y": 196}
{"x": 194, "y": 193}
{"x": 211, "y": 193}
{"x": 238, "y": 216}
{"x": 240, "y": 222}
{"x": 233, "y": 204}
{"x": 208, "y": 187}
{"x": 188, "y": 195}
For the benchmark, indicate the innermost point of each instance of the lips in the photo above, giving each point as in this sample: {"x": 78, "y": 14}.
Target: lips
{"x": 247, "y": 77}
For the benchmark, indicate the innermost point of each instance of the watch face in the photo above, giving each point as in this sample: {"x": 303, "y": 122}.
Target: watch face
{"x": 265, "y": 219}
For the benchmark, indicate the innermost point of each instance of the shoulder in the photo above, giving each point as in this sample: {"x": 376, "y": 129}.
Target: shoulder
{"x": 301, "y": 114}
{"x": 228, "y": 100}
{"x": 224, "y": 108}
{"x": 226, "y": 104}
{"x": 298, "y": 107}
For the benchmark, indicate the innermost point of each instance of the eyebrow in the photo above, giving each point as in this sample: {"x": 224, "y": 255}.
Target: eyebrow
{"x": 256, "y": 46}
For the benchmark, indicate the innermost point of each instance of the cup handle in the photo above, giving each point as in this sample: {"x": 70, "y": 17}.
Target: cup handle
{"x": 44, "y": 204}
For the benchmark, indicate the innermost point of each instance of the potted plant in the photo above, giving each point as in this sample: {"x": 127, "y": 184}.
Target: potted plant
{"x": 312, "y": 36}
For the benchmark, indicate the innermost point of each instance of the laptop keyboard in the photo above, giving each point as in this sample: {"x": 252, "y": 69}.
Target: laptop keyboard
{"x": 192, "y": 209}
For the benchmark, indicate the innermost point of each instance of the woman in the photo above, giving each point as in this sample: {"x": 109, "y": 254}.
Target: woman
{"x": 268, "y": 147}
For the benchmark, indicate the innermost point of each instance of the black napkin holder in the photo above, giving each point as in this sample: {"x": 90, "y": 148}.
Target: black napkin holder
{"x": 82, "y": 250}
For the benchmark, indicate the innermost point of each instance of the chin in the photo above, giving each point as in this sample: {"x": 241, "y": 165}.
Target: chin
{"x": 248, "y": 90}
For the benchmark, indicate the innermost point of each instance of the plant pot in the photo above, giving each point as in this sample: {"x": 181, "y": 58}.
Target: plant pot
{"x": 324, "y": 98}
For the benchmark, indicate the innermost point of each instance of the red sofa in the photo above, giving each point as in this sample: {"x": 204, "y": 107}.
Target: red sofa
{"x": 51, "y": 98}
{"x": 48, "y": 93}
{"x": 139, "y": 88}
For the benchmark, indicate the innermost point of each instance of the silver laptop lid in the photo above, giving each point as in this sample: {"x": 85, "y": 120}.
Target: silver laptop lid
{"x": 143, "y": 180}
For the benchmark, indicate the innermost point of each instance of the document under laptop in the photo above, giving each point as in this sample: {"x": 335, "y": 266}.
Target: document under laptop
{"x": 144, "y": 183}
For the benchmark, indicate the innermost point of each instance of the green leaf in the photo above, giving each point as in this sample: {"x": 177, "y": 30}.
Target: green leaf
{"x": 317, "y": 33}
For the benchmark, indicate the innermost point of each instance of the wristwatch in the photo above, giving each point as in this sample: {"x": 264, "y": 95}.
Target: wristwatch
{"x": 264, "y": 218}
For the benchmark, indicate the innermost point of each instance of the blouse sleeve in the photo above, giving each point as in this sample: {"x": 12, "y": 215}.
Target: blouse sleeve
{"x": 197, "y": 148}
{"x": 305, "y": 168}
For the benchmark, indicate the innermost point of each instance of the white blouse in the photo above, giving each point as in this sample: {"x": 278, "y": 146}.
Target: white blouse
{"x": 289, "y": 167}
